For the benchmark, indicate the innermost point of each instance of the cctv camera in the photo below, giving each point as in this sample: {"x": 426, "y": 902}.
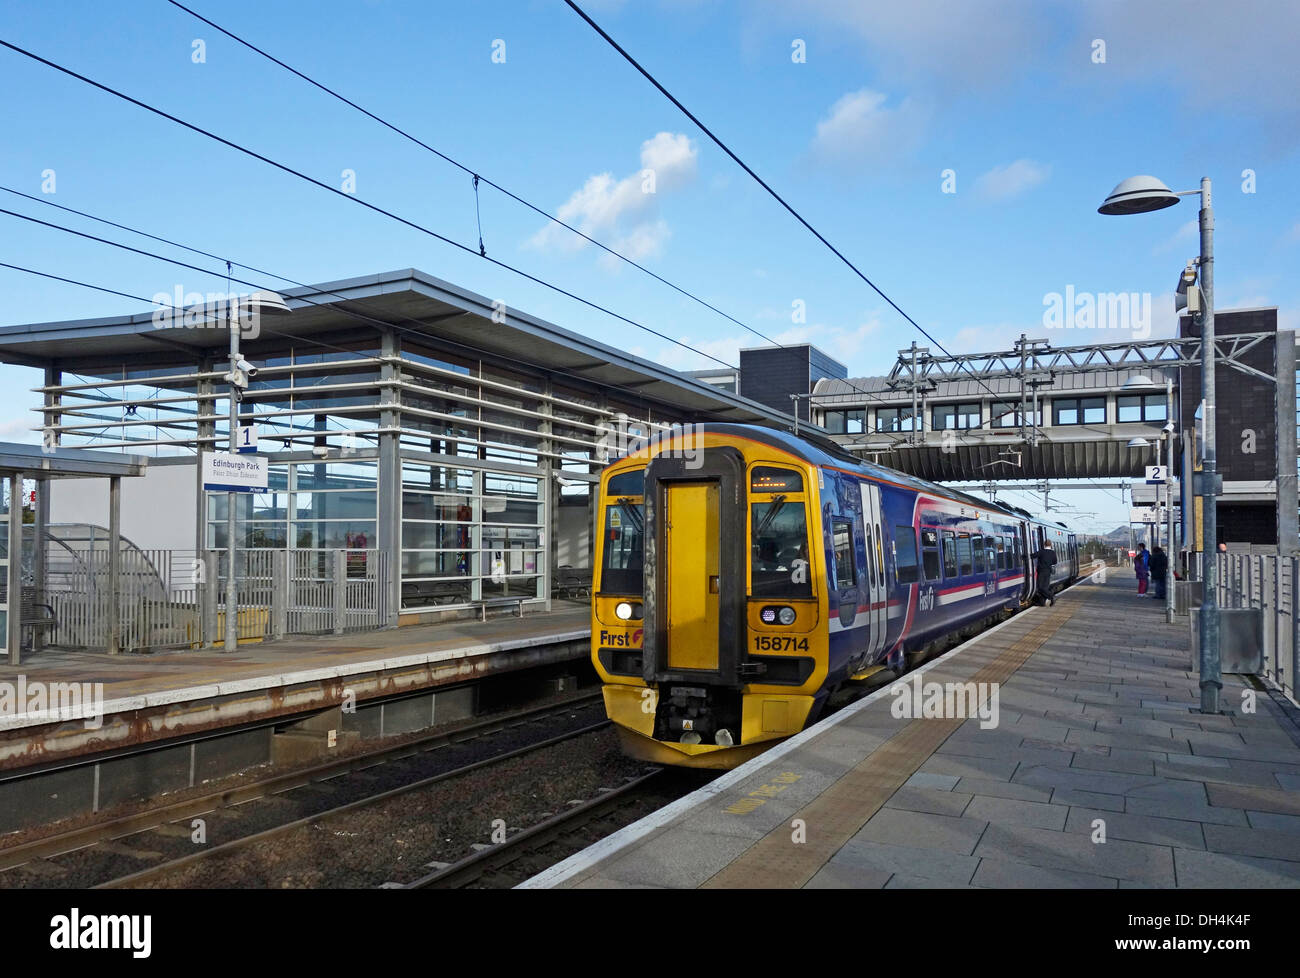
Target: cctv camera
{"x": 247, "y": 368}
{"x": 1169, "y": 427}
{"x": 320, "y": 451}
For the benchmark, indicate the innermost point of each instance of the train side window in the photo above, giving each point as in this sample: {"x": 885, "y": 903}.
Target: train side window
{"x": 949, "y": 554}
{"x": 930, "y": 554}
{"x": 1001, "y": 543}
{"x": 977, "y": 549}
{"x": 866, "y": 548}
{"x": 842, "y": 535}
{"x": 905, "y": 555}
{"x": 963, "y": 555}
{"x": 880, "y": 557}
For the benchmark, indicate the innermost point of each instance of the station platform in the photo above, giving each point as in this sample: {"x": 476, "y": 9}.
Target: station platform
{"x": 135, "y": 699}
{"x": 1096, "y": 770}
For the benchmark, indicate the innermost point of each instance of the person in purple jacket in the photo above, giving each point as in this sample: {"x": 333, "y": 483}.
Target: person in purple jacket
{"x": 1142, "y": 567}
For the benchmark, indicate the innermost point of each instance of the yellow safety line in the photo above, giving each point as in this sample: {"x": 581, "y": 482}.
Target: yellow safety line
{"x": 839, "y": 812}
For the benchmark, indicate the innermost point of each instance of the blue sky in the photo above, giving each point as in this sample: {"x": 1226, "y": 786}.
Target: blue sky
{"x": 1009, "y": 95}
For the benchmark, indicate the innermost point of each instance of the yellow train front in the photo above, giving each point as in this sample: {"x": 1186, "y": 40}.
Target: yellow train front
{"x": 709, "y": 650}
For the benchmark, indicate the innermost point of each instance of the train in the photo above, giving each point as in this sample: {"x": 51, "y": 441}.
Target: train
{"x": 745, "y": 575}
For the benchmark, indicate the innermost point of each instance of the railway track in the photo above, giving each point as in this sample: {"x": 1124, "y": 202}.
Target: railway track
{"x": 148, "y": 836}
{"x": 543, "y": 844}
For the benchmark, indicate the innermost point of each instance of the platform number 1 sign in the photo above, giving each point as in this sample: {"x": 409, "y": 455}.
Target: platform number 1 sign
{"x": 247, "y": 440}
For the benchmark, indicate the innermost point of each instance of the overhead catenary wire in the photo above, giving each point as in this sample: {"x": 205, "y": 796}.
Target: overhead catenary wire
{"x": 478, "y": 177}
{"x": 765, "y": 185}
{"x": 359, "y": 200}
{"x": 351, "y": 313}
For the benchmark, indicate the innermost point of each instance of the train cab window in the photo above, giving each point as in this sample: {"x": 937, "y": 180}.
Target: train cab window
{"x": 963, "y": 555}
{"x": 930, "y": 554}
{"x": 905, "y": 554}
{"x": 624, "y": 546}
{"x": 842, "y": 536}
{"x": 779, "y": 554}
{"x": 977, "y": 549}
{"x": 949, "y": 554}
{"x": 626, "y": 484}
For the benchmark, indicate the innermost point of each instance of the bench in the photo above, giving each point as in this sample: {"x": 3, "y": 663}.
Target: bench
{"x": 485, "y": 603}
{"x": 36, "y": 615}
{"x": 572, "y": 582}
{"x": 434, "y": 592}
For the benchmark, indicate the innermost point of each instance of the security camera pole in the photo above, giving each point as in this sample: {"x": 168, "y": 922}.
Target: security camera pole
{"x": 232, "y": 629}
{"x": 1169, "y": 499}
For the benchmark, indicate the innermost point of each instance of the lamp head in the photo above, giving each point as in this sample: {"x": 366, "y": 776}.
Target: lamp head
{"x": 1138, "y": 195}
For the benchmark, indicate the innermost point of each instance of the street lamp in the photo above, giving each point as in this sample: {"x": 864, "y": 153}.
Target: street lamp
{"x": 1139, "y": 195}
{"x": 240, "y": 371}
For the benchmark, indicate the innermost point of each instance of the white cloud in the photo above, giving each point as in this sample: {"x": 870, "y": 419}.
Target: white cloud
{"x": 861, "y": 129}
{"x": 1011, "y": 179}
{"x": 944, "y": 44}
{"x": 848, "y": 345}
{"x": 605, "y": 207}
{"x": 1187, "y": 234}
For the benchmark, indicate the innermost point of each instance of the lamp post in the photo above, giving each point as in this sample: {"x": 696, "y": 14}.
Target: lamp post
{"x": 1140, "y": 195}
{"x": 240, "y": 371}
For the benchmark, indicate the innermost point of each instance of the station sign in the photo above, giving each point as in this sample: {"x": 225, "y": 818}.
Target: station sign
{"x": 246, "y": 439}
{"x": 1157, "y": 473}
{"x": 224, "y": 472}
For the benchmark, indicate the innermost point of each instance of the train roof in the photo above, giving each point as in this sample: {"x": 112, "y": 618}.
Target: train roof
{"x": 818, "y": 450}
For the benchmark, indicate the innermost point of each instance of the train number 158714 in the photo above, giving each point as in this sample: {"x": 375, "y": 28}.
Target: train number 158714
{"x": 780, "y": 643}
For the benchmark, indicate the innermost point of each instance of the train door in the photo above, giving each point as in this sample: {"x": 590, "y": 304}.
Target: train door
{"x": 876, "y": 601}
{"x": 691, "y": 566}
{"x": 1027, "y": 563}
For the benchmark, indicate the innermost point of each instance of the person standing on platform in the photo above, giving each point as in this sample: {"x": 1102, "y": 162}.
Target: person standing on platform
{"x": 1045, "y": 560}
{"x": 1159, "y": 568}
{"x": 1142, "y": 567}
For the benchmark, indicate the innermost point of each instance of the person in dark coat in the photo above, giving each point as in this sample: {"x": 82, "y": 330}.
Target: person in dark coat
{"x": 1046, "y": 560}
{"x": 1158, "y": 567}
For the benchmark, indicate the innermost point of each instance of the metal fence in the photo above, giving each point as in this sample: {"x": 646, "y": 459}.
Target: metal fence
{"x": 302, "y": 592}
{"x": 177, "y": 598}
{"x": 156, "y": 606}
{"x": 1268, "y": 583}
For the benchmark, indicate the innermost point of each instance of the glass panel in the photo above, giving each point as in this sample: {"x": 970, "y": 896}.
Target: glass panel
{"x": 905, "y": 554}
{"x": 779, "y": 555}
{"x": 843, "y": 537}
{"x": 930, "y": 554}
{"x": 949, "y": 554}
{"x": 963, "y": 555}
{"x": 624, "y": 551}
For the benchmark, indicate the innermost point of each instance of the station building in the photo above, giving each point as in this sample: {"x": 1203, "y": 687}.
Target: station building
{"x": 445, "y": 436}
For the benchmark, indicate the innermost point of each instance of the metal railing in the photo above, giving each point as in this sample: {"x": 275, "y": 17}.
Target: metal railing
{"x": 177, "y": 598}
{"x": 301, "y": 592}
{"x": 1267, "y": 583}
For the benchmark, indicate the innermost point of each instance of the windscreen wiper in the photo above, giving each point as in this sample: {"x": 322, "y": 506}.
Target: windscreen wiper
{"x": 777, "y": 503}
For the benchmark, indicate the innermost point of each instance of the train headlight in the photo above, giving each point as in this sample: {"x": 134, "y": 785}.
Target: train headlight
{"x": 690, "y": 737}
{"x": 626, "y": 611}
{"x": 723, "y": 738}
{"x": 785, "y": 616}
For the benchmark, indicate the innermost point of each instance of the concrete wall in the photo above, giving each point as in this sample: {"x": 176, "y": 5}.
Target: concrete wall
{"x": 157, "y": 509}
